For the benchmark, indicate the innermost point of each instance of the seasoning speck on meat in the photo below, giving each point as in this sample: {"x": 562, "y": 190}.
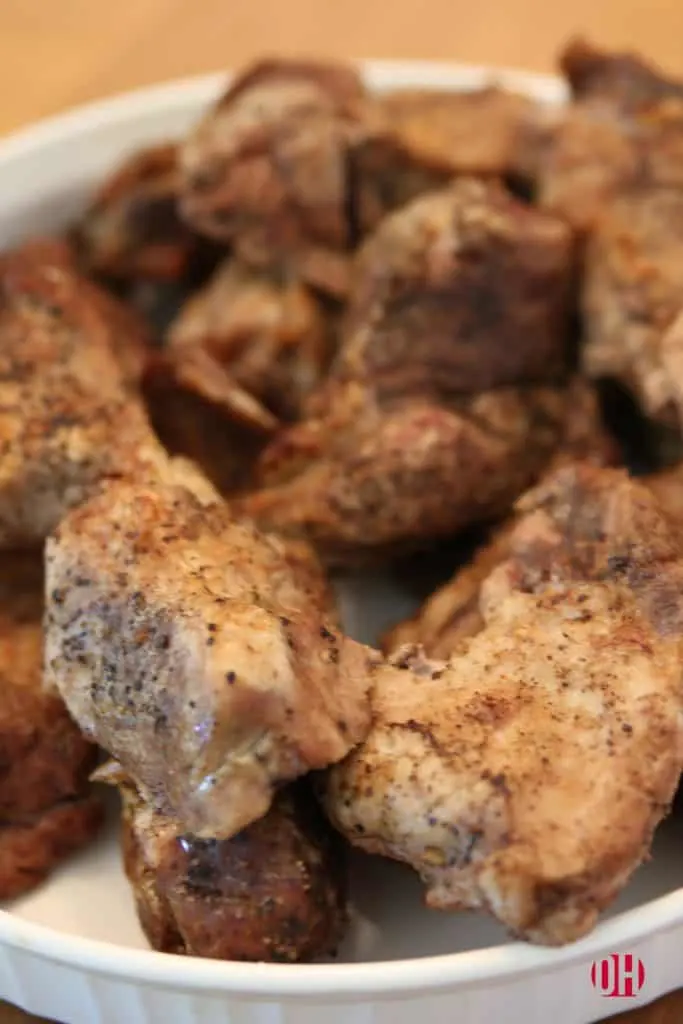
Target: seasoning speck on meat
{"x": 205, "y": 752}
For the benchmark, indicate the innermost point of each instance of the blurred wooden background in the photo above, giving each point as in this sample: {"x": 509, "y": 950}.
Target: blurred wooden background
{"x": 53, "y": 55}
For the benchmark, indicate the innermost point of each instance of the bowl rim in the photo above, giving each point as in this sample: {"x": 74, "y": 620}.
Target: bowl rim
{"x": 344, "y": 981}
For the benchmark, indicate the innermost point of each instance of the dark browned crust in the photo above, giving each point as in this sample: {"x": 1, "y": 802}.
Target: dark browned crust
{"x": 132, "y": 229}
{"x": 30, "y": 850}
{"x": 267, "y": 168}
{"x": 275, "y": 893}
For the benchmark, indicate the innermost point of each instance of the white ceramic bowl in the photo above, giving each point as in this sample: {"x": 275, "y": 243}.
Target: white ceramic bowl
{"x": 73, "y": 950}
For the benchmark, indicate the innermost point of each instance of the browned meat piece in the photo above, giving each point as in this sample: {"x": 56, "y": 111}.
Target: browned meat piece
{"x": 526, "y": 775}
{"x": 462, "y": 290}
{"x": 667, "y": 486}
{"x": 275, "y": 893}
{"x": 380, "y": 482}
{"x": 624, "y": 130}
{"x": 31, "y": 849}
{"x": 264, "y": 333}
{"x": 133, "y": 229}
{"x": 623, "y": 79}
{"x": 187, "y": 423}
{"x": 203, "y": 657}
{"x": 124, "y": 330}
{"x": 66, "y": 416}
{"x": 479, "y": 132}
{"x": 45, "y": 810}
{"x": 434, "y": 414}
{"x": 423, "y": 137}
{"x": 632, "y": 297}
{"x": 453, "y": 613}
{"x": 266, "y": 169}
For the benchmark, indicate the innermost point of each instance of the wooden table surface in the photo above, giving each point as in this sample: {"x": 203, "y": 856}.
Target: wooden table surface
{"x": 53, "y": 55}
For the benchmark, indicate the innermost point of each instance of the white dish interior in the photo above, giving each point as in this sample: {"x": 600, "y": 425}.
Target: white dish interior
{"x": 83, "y": 919}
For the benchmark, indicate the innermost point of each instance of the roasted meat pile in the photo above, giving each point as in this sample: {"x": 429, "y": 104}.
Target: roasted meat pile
{"x": 329, "y": 329}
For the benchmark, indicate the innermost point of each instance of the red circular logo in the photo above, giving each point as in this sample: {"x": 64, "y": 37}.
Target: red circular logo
{"x": 618, "y": 976}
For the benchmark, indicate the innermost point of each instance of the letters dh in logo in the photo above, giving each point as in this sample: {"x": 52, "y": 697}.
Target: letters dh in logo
{"x": 618, "y": 976}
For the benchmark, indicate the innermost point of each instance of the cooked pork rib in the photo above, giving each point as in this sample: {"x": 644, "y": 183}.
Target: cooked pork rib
{"x": 203, "y": 657}
{"x": 375, "y": 482}
{"x": 46, "y": 811}
{"x": 462, "y": 290}
{"x": 623, "y": 79}
{"x": 632, "y": 300}
{"x": 260, "y": 333}
{"x": 624, "y": 130}
{"x": 224, "y": 446}
{"x": 274, "y": 893}
{"x": 420, "y": 138}
{"x": 436, "y": 411}
{"x": 67, "y": 418}
{"x": 527, "y": 774}
{"x": 133, "y": 230}
{"x": 453, "y": 612}
{"x": 266, "y": 169}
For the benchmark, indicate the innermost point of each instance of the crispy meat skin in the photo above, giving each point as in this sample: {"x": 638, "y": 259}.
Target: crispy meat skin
{"x": 132, "y": 229}
{"x": 251, "y": 331}
{"x": 45, "y": 810}
{"x": 632, "y": 299}
{"x": 275, "y": 893}
{"x": 453, "y": 612}
{"x": 526, "y": 775}
{"x": 462, "y": 292}
{"x": 67, "y": 418}
{"x": 624, "y": 130}
{"x": 266, "y": 169}
{"x": 203, "y": 657}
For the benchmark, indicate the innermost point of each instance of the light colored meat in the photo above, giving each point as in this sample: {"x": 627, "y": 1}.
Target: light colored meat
{"x": 526, "y": 775}
{"x": 67, "y": 418}
{"x": 275, "y": 893}
{"x": 203, "y": 657}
